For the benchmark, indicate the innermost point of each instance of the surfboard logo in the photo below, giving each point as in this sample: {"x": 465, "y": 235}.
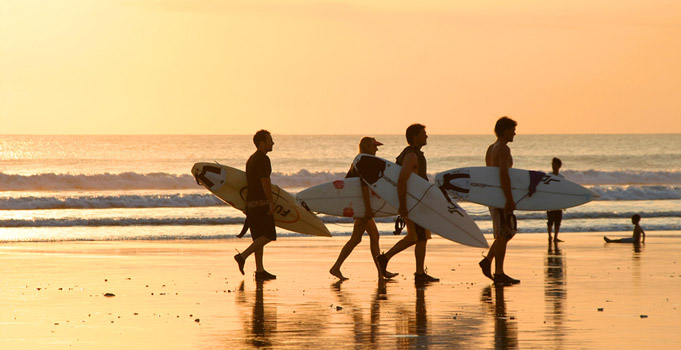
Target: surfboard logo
{"x": 284, "y": 212}
{"x": 348, "y": 212}
{"x": 455, "y": 182}
{"x": 209, "y": 176}
{"x": 339, "y": 184}
{"x": 454, "y": 209}
{"x": 287, "y": 215}
{"x": 548, "y": 179}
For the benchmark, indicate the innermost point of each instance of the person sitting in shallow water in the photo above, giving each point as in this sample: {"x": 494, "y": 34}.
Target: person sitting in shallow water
{"x": 638, "y": 237}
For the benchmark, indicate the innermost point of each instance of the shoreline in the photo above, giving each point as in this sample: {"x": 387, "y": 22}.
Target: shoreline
{"x": 189, "y": 294}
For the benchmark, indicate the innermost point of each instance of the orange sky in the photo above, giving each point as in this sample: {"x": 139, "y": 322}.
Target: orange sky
{"x": 338, "y": 67}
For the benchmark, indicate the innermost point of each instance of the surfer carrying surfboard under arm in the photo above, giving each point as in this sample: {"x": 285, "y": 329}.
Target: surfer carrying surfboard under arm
{"x": 259, "y": 205}
{"x": 368, "y": 145}
{"x": 411, "y": 160}
{"x": 499, "y": 155}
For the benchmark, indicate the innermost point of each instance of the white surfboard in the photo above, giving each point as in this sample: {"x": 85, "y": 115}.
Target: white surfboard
{"x": 481, "y": 185}
{"x": 230, "y": 185}
{"x": 343, "y": 198}
{"x": 426, "y": 204}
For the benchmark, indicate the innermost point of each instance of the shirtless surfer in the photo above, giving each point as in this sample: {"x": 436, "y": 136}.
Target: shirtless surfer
{"x": 499, "y": 155}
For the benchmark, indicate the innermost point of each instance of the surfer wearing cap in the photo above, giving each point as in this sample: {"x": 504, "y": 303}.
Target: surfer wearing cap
{"x": 259, "y": 205}
{"x": 499, "y": 155}
{"x": 412, "y": 160}
{"x": 367, "y": 145}
{"x": 554, "y": 217}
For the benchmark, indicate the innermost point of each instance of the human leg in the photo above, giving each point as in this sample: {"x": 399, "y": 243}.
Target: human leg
{"x": 549, "y": 223}
{"x": 256, "y": 246}
{"x": 506, "y": 233}
{"x": 355, "y": 239}
{"x": 558, "y": 219}
{"x": 486, "y": 263}
{"x": 556, "y": 230}
{"x": 401, "y": 245}
{"x": 375, "y": 248}
{"x": 263, "y": 231}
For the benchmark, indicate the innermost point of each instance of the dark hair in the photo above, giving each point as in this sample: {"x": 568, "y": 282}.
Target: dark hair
{"x": 635, "y": 218}
{"x": 503, "y": 124}
{"x": 557, "y": 160}
{"x": 260, "y": 136}
{"x": 414, "y": 130}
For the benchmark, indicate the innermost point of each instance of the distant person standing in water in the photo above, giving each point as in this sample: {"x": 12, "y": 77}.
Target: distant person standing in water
{"x": 499, "y": 155}
{"x": 555, "y": 216}
{"x": 412, "y": 161}
{"x": 259, "y": 204}
{"x": 367, "y": 145}
{"x": 638, "y": 237}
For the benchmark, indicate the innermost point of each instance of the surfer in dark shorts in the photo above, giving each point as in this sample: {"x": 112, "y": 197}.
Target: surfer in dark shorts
{"x": 499, "y": 155}
{"x": 259, "y": 205}
{"x": 412, "y": 160}
{"x": 554, "y": 217}
{"x": 367, "y": 145}
{"x": 638, "y": 237}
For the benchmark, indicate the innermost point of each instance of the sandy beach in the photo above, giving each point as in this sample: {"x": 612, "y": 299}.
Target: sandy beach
{"x": 189, "y": 295}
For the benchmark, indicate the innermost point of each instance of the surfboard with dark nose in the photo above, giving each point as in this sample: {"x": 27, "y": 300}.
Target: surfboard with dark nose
{"x": 427, "y": 205}
{"x": 531, "y": 190}
{"x": 230, "y": 185}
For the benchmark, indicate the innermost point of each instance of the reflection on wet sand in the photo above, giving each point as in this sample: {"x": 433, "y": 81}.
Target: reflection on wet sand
{"x": 345, "y": 299}
{"x": 505, "y": 325}
{"x": 362, "y": 337}
{"x": 636, "y": 263}
{"x": 555, "y": 293}
{"x": 263, "y": 325}
{"x": 379, "y": 296}
{"x": 413, "y": 326}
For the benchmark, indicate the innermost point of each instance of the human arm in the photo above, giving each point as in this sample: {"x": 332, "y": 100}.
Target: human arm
{"x": 505, "y": 162}
{"x": 408, "y": 164}
{"x": 643, "y": 235}
{"x": 366, "y": 196}
{"x": 267, "y": 186}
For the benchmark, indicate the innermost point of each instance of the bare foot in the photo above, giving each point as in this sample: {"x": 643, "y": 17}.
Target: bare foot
{"x": 338, "y": 274}
{"x": 389, "y": 274}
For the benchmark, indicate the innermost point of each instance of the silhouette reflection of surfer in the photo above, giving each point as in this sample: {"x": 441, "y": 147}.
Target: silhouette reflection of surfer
{"x": 505, "y": 326}
{"x": 421, "y": 324}
{"x": 345, "y": 302}
{"x": 362, "y": 339}
{"x": 414, "y": 326}
{"x": 555, "y": 292}
{"x": 263, "y": 320}
{"x": 381, "y": 294}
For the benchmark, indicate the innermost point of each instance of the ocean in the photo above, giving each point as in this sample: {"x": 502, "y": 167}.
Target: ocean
{"x": 66, "y": 188}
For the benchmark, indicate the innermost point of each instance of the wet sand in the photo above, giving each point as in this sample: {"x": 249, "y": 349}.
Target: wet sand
{"x": 582, "y": 294}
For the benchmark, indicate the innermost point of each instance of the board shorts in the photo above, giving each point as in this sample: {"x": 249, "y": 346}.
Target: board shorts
{"x": 416, "y": 233}
{"x": 554, "y": 216}
{"x": 500, "y": 229}
{"x": 261, "y": 224}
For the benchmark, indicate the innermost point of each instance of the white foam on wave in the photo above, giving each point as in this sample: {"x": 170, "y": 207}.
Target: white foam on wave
{"x": 637, "y": 192}
{"x": 69, "y": 182}
{"x": 233, "y": 219}
{"x": 197, "y": 200}
{"x": 110, "y": 201}
{"x": 623, "y": 177}
{"x": 117, "y": 222}
{"x": 300, "y": 179}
